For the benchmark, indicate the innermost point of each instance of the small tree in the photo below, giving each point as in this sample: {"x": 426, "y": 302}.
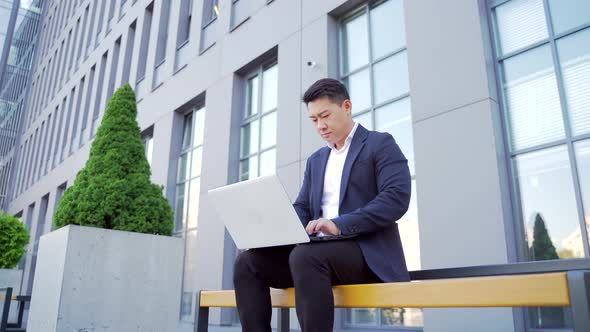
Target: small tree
{"x": 542, "y": 248}
{"x": 14, "y": 236}
{"x": 114, "y": 190}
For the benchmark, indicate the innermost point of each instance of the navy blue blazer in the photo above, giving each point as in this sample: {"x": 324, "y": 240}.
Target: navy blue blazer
{"x": 374, "y": 192}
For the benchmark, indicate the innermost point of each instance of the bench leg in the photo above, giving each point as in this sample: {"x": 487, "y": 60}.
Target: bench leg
{"x": 5, "y": 309}
{"x": 201, "y": 316}
{"x": 283, "y": 320}
{"x": 21, "y": 311}
{"x": 579, "y": 288}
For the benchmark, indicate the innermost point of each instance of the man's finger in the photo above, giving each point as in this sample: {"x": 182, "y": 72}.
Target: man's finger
{"x": 310, "y": 227}
{"x": 319, "y": 226}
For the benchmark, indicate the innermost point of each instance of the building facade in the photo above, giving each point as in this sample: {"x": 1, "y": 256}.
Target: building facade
{"x": 489, "y": 101}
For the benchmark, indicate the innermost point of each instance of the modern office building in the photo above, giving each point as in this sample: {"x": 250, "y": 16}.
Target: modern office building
{"x": 489, "y": 100}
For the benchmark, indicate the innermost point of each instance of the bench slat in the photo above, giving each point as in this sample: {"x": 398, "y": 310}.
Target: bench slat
{"x": 13, "y": 298}
{"x": 543, "y": 289}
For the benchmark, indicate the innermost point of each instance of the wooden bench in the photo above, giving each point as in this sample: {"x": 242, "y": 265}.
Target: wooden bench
{"x": 531, "y": 284}
{"x": 6, "y": 297}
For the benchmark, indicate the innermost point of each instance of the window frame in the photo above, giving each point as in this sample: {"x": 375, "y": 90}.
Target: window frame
{"x": 343, "y": 75}
{"x": 246, "y": 120}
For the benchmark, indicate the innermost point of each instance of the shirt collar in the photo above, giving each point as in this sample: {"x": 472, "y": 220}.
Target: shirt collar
{"x": 347, "y": 141}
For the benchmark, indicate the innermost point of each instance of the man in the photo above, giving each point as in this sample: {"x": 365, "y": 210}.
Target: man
{"x": 358, "y": 185}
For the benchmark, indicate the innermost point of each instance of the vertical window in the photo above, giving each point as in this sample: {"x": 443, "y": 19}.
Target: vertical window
{"x": 54, "y": 73}
{"x": 97, "y": 97}
{"x": 86, "y": 108}
{"x": 100, "y": 21}
{"x": 71, "y": 62}
{"x": 210, "y": 14}
{"x": 38, "y": 152}
{"x": 184, "y": 30}
{"x": 543, "y": 59}
{"x": 161, "y": 45}
{"x": 44, "y": 150}
{"x": 187, "y": 202}
{"x": 64, "y": 139}
{"x": 184, "y": 22}
{"x": 122, "y": 8}
{"x": 50, "y": 142}
{"x": 29, "y": 223}
{"x": 50, "y": 72}
{"x": 374, "y": 67}
{"x": 189, "y": 168}
{"x": 129, "y": 52}
{"x": 59, "y": 67}
{"x": 143, "y": 49}
{"x": 66, "y": 55}
{"x": 114, "y": 65}
{"x": 58, "y": 135}
{"x": 78, "y": 110}
{"x": 82, "y": 34}
{"x": 91, "y": 27}
{"x": 259, "y": 124}
{"x": 24, "y": 163}
{"x": 241, "y": 10}
{"x": 147, "y": 137}
{"x": 32, "y": 158}
{"x": 111, "y": 14}
{"x": 59, "y": 193}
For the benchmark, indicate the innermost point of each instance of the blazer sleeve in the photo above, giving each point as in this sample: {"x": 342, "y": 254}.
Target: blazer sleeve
{"x": 391, "y": 203}
{"x": 302, "y": 203}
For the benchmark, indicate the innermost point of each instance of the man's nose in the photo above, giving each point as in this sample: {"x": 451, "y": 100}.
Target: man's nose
{"x": 321, "y": 124}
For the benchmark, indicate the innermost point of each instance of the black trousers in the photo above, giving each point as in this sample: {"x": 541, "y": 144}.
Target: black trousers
{"x": 311, "y": 268}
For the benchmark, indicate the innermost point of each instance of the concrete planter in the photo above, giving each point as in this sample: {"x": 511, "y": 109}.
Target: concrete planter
{"x": 11, "y": 278}
{"x": 89, "y": 279}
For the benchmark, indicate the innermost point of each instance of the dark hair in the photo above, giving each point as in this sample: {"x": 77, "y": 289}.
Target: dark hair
{"x": 326, "y": 87}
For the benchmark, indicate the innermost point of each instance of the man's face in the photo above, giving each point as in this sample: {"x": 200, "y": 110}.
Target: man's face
{"x": 332, "y": 121}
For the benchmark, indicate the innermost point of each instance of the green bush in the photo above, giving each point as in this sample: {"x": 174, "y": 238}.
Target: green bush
{"x": 113, "y": 190}
{"x": 14, "y": 236}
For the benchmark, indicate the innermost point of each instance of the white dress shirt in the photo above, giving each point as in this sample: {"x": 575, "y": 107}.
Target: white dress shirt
{"x": 333, "y": 178}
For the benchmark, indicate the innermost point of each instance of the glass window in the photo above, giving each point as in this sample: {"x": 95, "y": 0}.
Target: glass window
{"x": 148, "y": 143}
{"x": 574, "y": 57}
{"x": 359, "y": 89}
{"x": 355, "y": 41}
{"x": 391, "y": 78}
{"x": 184, "y": 22}
{"x": 547, "y": 108}
{"x": 583, "y": 158}
{"x": 188, "y": 189}
{"x": 189, "y": 163}
{"x": 375, "y": 71}
{"x": 569, "y": 14}
{"x": 549, "y": 204}
{"x": 532, "y": 98}
{"x": 520, "y": 23}
{"x": 259, "y": 125}
{"x": 189, "y": 280}
{"x": 388, "y": 28}
{"x": 396, "y": 119}
{"x": 240, "y": 11}
{"x": 252, "y": 96}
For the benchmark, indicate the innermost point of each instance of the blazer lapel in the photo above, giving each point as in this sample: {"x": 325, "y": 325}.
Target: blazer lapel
{"x": 357, "y": 144}
{"x": 318, "y": 182}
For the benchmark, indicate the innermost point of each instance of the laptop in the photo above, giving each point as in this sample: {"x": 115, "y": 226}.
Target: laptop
{"x": 258, "y": 213}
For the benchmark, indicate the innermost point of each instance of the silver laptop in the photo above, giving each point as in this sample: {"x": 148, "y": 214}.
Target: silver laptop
{"x": 258, "y": 213}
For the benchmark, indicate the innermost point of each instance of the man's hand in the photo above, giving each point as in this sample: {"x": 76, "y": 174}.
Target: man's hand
{"x": 323, "y": 225}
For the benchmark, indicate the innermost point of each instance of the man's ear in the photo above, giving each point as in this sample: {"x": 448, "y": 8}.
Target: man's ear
{"x": 347, "y": 105}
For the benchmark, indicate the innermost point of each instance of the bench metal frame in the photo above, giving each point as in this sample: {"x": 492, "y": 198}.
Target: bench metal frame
{"x": 8, "y": 298}
{"x": 578, "y": 278}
